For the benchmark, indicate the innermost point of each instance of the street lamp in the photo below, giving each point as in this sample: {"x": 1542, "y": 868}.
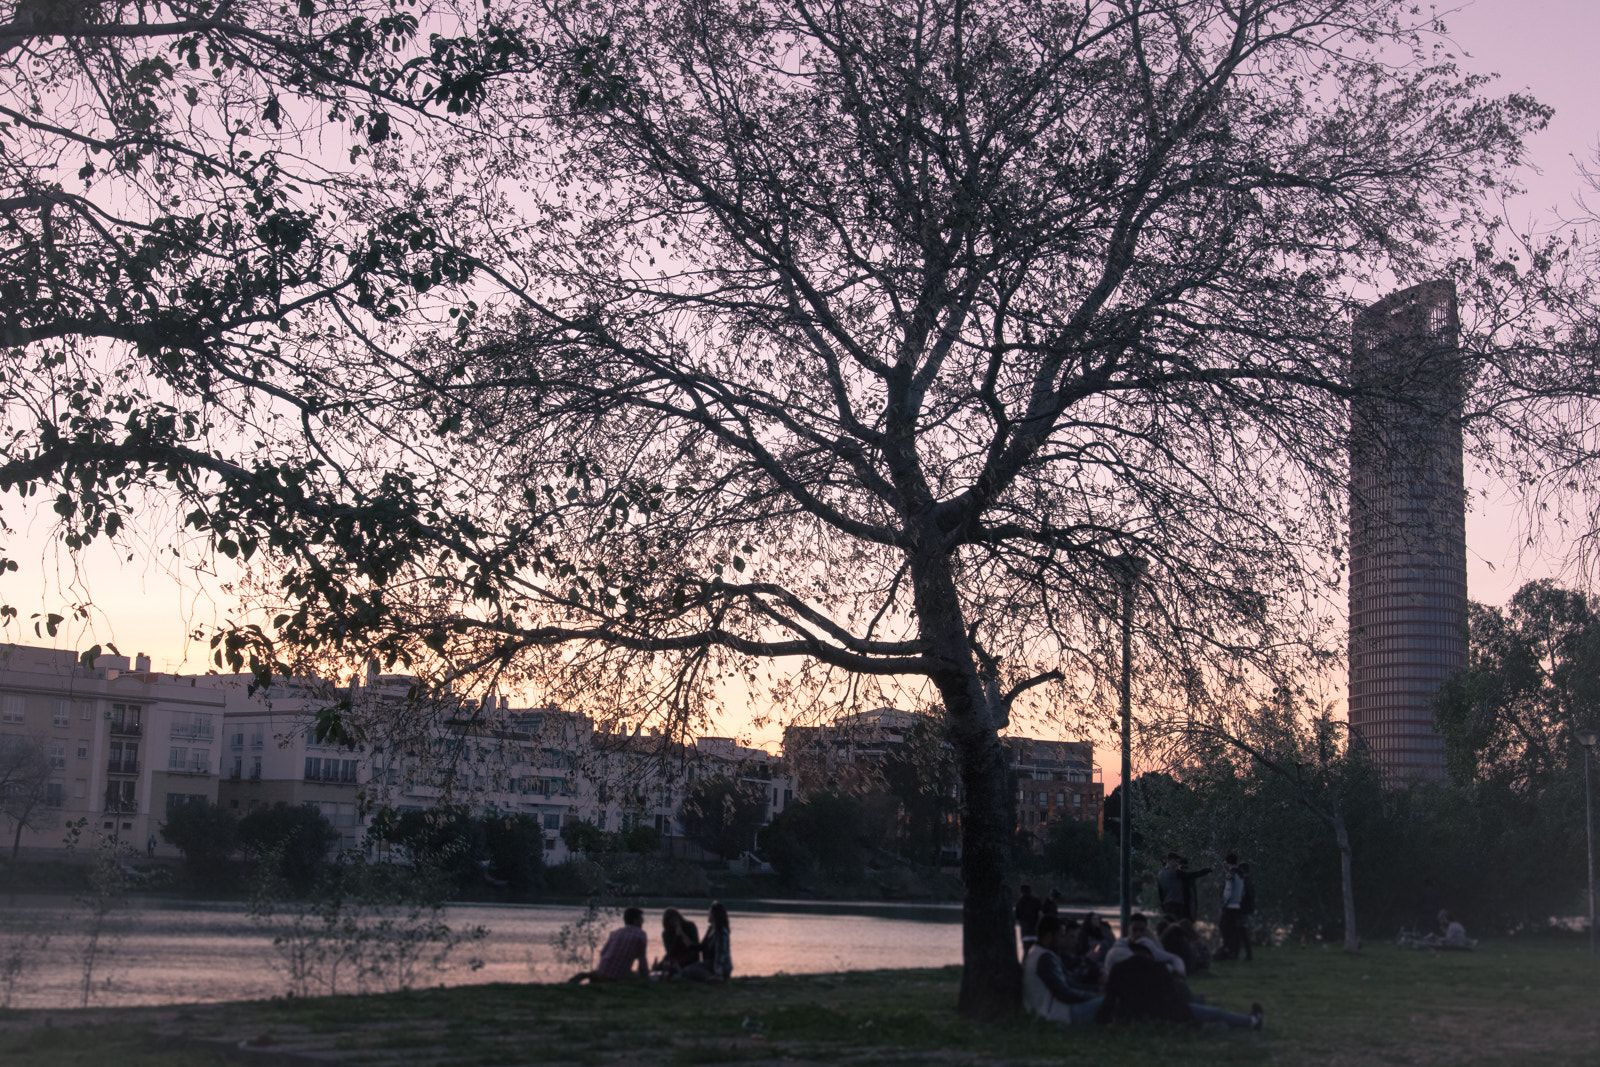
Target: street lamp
{"x": 1587, "y": 738}
{"x": 1129, "y": 569}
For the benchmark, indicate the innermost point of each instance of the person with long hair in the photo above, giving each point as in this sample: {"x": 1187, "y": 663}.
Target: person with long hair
{"x": 716, "y": 957}
{"x": 681, "y": 940}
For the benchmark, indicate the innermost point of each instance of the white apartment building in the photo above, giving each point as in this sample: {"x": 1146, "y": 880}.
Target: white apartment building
{"x": 122, "y": 744}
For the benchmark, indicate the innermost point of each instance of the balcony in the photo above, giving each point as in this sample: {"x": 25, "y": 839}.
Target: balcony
{"x": 126, "y": 766}
{"x": 190, "y": 769}
{"x": 126, "y": 729}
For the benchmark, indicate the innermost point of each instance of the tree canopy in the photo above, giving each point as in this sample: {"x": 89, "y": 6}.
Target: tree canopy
{"x": 862, "y": 337}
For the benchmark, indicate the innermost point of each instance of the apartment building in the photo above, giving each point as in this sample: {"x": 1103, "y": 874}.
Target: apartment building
{"x": 123, "y": 743}
{"x": 1054, "y": 780}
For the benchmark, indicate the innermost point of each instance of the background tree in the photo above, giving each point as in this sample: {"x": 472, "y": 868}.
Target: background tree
{"x": 723, "y": 815}
{"x": 293, "y": 837}
{"x": 861, "y": 337}
{"x": 824, "y": 836}
{"x": 206, "y": 835}
{"x": 24, "y": 784}
{"x": 1532, "y": 678}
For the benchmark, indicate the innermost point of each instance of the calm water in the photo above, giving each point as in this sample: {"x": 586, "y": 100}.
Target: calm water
{"x": 167, "y": 952}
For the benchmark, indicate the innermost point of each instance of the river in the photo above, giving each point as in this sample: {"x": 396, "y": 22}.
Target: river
{"x": 156, "y": 951}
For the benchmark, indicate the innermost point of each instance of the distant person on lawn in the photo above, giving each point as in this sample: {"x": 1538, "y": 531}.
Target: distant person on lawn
{"x": 1047, "y": 990}
{"x": 626, "y": 946}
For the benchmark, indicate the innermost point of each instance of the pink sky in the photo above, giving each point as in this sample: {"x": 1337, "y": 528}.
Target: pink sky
{"x": 1546, "y": 47}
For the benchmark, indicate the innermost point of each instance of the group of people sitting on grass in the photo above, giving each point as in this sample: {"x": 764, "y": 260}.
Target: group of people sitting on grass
{"x": 686, "y": 954}
{"x": 1071, "y": 975}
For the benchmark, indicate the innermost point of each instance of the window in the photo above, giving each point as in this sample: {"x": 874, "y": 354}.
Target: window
{"x": 80, "y": 788}
{"x": 255, "y": 739}
{"x": 191, "y": 724}
{"x": 62, "y": 712}
{"x": 58, "y": 753}
{"x": 199, "y": 761}
{"x": 1077, "y": 800}
{"x": 255, "y": 769}
{"x": 178, "y": 759}
{"x": 55, "y": 794}
{"x": 83, "y": 748}
{"x": 552, "y": 821}
{"x": 126, "y": 718}
{"x": 237, "y": 740}
{"x": 313, "y": 768}
{"x": 238, "y": 768}
{"x": 86, "y": 710}
{"x": 12, "y": 707}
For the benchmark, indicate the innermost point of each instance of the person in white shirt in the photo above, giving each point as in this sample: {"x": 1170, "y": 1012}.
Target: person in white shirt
{"x": 1139, "y": 932}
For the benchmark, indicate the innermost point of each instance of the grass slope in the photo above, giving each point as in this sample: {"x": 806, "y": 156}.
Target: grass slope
{"x": 1533, "y": 1002}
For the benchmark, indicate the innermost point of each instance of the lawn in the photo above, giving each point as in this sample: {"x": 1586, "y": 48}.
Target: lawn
{"x": 1535, "y": 1001}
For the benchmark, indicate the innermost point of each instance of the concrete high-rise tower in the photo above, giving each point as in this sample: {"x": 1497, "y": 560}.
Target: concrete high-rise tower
{"x": 1408, "y": 544}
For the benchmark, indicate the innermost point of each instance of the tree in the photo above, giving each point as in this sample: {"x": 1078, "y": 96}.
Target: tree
{"x": 1324, "y": 773}
{"x": 723, "y": 814}
{"x": 1533, "y": 677}
{"x": 24, "y": 784}
{"x": 293, "y": 838}
{"x": 860, "y": 337}
{"x": 824, "y": 834}
{"x": 206, "y": 835}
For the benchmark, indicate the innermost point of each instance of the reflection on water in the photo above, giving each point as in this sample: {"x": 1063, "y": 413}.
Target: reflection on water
{"x": 168, "y": 952}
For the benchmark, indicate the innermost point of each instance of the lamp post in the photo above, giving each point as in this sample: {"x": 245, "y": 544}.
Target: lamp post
{"x": 1129, "y": 569}
{"x": 1587, "y": 738}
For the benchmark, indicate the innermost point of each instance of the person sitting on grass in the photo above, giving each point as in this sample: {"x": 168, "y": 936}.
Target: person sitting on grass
{"x": 716, "y": 958}
{"x": 1046, "y": 990}
{"x": 626, "y": 945}
{"x": 681, "y": 940}
{"x": 1094, "y": 940}
{"x": 1140, "y": 987}
{"x": 1138, "y": 932}
{"x": 1454, "y": 937}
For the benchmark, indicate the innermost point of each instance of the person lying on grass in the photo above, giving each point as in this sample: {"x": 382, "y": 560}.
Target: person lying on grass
{"x": 1140, "y": 987}
{"x": 626, "y": 946}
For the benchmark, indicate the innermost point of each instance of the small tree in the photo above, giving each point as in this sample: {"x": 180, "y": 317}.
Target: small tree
{"x": 1322, "y": 771}
{"x": 723, "y": 815}
{"x": 24, "y": 785}
{"x": 206, "y": 835}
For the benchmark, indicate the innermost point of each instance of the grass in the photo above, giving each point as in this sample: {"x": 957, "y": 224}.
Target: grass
{"x": 1514, "y": 1001}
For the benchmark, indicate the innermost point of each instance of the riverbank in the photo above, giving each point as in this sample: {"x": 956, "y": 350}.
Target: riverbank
{"x": 1513, "y": 1001}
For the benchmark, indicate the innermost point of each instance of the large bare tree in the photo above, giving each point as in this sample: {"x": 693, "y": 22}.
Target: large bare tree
{"x": 863, "y": 338}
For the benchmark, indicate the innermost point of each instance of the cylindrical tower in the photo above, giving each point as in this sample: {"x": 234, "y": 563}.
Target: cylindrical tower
{"x": 1408, "y": 542}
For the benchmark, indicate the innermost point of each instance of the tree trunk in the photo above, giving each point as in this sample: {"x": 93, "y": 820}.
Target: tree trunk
{"x": 1352, "y": 943}
{"x": 991, "y": 976}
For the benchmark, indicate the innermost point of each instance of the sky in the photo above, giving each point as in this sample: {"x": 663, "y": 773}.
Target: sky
{"x": 147, "y": 603}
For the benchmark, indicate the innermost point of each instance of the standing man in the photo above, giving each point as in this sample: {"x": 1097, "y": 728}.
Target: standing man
{"x": 1232, "y": 899}
{"x": 1247, "y": 907}
{"x": 1028, "y": 909}
{"x": 1170, "y": 884}
{"x": 1191, "y": 898}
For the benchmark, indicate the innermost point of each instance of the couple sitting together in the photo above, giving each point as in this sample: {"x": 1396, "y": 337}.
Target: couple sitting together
{"x": 687, "y": 956}
{"x": 1141, "y": 980}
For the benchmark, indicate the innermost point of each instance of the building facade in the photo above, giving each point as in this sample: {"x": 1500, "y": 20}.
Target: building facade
{"x": 1055, "y": 780}
{"x": 122, "y": 743}
{"x": 1408, "y": 556}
